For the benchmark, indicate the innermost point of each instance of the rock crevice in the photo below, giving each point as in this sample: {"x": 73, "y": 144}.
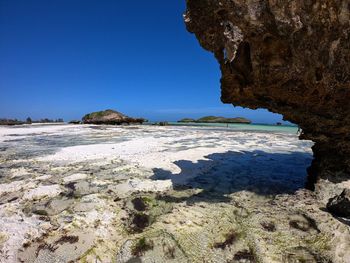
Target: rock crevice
{"x": 292, "y": 58}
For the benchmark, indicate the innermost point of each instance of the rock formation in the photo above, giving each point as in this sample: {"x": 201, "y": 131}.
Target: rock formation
{"x": 292, "y": 58}
{"x": 109, "y": 117}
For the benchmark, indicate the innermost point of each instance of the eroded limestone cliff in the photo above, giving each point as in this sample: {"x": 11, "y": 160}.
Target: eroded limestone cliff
{"x": 292, "y": 58}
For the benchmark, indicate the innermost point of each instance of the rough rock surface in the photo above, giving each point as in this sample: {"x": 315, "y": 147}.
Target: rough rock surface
{"x": 340, "y": 205}
{"x": 109, "y": 117}
{"x": 292, "y": 58}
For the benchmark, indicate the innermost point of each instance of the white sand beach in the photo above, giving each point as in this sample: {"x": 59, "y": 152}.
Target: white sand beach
{"x": 76, "y": 188}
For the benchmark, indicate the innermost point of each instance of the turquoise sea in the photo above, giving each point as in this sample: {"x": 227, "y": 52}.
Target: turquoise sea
{"x": 244, "y": 127}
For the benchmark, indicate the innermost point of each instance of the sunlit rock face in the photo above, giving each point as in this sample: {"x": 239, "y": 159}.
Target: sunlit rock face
{"x": 291, "y": 57}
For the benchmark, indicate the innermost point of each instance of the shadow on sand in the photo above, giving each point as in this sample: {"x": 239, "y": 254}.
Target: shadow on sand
{"x": 221, "y": 174}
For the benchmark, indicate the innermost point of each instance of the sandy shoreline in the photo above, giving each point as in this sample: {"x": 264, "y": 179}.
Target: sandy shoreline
{"x": 79, "y": 183}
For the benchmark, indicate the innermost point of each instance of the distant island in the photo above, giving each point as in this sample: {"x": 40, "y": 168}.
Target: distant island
{"x": 10, "y": 122}
{"x": 216, "y": 119}
{"x": 110, "y": 117}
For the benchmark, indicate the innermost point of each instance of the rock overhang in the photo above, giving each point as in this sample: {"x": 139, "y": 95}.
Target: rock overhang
{"x": 292, "y": 58}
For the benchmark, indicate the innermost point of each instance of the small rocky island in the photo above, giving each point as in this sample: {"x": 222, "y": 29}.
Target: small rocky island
{"x": 215, "y": 119}
{"x": 110, "y": 117}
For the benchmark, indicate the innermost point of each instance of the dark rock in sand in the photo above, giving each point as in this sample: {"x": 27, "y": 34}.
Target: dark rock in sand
{"x": 187, "y": 120}
{"x": 110, "y": 117}
{"x": 75, "y": 122}
{"x": 163, "y": 123}
{"x": 340, "y": 204}
{"x": 291, "y": 58}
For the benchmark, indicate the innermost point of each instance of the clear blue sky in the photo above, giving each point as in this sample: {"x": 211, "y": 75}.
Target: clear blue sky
{"x": 65, "y": 58}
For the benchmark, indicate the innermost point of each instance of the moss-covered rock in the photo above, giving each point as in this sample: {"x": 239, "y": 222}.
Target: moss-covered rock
{"x": 111, "y": 117}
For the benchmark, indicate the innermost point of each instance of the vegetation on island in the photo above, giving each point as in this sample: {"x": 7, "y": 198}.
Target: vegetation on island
{"x": 11, "y": 122}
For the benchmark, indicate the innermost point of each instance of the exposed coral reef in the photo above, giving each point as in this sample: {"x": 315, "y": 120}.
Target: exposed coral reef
{"x": 292, "y": 58}
{"x": 86, "y": 193}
